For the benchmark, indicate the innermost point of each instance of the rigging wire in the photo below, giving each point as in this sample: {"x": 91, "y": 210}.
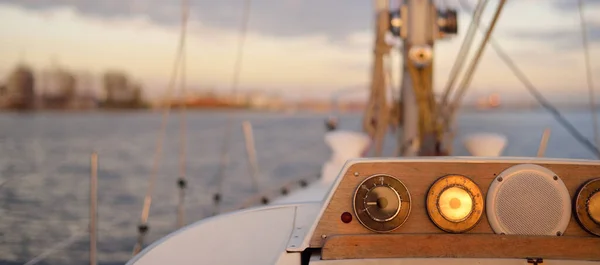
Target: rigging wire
{"x": 182, "y": 182}
{"x": 463, "y": 51}
{"x": 538, "y": 96}
{"x": 57, "y": 247}
{"x": 143, "y": 226}
{"x": 466, "y": 81}
{"x": 588, "y": 68}
{"x": 237, "y": 69}
{"x": 81, "y": 232}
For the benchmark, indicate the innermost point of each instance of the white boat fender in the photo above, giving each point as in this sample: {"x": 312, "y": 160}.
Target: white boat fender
{"x": 485, "y": 144}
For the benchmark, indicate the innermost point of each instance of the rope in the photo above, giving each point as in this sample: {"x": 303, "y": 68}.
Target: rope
{"x": 143, "y": 227}
{"x": 425, "y": 100}
{"x": 395, "y": 116}
{"x": 539, "y": 97}
{"x": 237, "y": 69}
{"x": 464, "y": 50}
{"x": 182, "y": 182}
{"x": 588, "y": 67}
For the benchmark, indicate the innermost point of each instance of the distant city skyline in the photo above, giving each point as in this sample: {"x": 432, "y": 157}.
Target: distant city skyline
{"x": 288, "y": 50}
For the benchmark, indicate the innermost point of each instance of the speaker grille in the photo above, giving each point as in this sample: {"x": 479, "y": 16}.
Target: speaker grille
{"x": 528, "y": 200}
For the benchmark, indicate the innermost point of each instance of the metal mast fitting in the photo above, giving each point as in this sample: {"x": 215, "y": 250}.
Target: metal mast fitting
{"x": 419, "y": 24}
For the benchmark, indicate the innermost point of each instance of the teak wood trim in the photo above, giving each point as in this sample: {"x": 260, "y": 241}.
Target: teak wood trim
{"x": 418, "y": 178}
{"x": 460, "y": 246}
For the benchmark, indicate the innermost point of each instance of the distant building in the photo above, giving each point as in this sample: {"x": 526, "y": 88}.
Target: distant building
{"x": 19, "y": 92}
{"x": 86, "y": 97}
{"x": 120, "y": 92}
{"x": 59, "y": 89}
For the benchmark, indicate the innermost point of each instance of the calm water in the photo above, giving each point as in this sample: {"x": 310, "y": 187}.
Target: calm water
{"x": 44, "y": 169}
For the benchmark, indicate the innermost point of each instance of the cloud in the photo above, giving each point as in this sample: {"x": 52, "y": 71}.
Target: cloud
{"x": 145, "y": 50}
{"x": 312, "y": 58}
{"x": 573, "y": 5}
{"x": 568, "y": 35}
{"x": 269, "y": 17}
{"x": 553, "y": 23}
{"x": 561, "y": 39}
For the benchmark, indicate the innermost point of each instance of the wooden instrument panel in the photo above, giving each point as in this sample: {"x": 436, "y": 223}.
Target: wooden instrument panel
{"x": 461, "y": 246}
{"x": 418, "y": 176}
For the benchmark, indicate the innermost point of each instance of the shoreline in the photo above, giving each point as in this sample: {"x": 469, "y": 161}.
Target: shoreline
{"x": 465, "y": 109}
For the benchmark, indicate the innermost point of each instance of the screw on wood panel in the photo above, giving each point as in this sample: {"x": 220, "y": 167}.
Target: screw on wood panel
{"x": 356, "y": 174}
{"x": 555, "y": 178}
{"x": 500, "y": 179}
{"x": 323, "y": 236}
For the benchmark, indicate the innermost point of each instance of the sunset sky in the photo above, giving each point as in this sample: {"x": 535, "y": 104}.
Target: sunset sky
{"x": 296, "y": 47}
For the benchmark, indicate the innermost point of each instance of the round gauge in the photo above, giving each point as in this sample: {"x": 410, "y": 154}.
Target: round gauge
{"x": 381, "y": 203}
{"x": 593, "y": 207}
{"x": 587, "y": 206}
{"x": 454, "y": 203}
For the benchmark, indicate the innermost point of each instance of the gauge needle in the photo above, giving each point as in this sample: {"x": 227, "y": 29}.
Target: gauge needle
{"x": 371, "y": 203}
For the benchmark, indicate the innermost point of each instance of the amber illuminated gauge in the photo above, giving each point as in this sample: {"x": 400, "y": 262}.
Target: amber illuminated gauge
{"x": 381, "y": 203}
{"x": 454, "y": 203}
{"x": 587, "y": 206}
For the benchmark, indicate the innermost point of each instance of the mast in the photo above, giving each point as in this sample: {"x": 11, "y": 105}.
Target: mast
{"x": 418, "y": 134}
{"x": 419, "y": 24}
{"x": 377, "y": 114}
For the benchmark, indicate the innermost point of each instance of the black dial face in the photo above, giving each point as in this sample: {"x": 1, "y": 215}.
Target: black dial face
{"x": 381, "y": 203}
